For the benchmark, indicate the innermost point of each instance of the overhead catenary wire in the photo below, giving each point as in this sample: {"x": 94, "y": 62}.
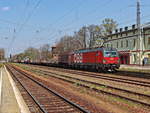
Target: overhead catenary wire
{"x": 103, "y": 5}
{"x": 69, "y": 25}
{"x": 129, "y": 21}
{"x": 12, "y": 41}
{"x": 80, "y": 5}
{"x": 23, "y": 24}
{"x": 24, "y": 11}
{"x": 64, "y": 15}
{"x": 60, "y": 18}
{"x": 16, "y": 23}
{"x": 133, "y": 20}
{"x": 30, "y": 15}
{"x": 99, "y": 7}
{"x": 94, "y": 10}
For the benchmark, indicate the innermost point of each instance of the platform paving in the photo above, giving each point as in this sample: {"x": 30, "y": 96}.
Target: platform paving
{"x": 135, "y": 67}
{"x": 11, "y": 100}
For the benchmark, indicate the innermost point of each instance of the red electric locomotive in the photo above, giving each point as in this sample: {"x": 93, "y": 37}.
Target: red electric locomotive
{"x": 101, "y": 59}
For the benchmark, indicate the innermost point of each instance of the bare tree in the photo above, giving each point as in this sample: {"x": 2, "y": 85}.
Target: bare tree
{"x": 45, "y": 52}
{"x": 94, "y": 32}
{"x": 68, "y": 44}
{"x": 86, "y": 37}
{"x": 108, "y": 25}
{"x": 81, "y": 37}
{"x": 32, "y": 54}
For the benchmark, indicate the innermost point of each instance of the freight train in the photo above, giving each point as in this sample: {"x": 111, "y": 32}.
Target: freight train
{"x": 100, "y": 59}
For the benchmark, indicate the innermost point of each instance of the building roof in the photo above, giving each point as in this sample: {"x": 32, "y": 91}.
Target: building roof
{"x": 129, "y": 29}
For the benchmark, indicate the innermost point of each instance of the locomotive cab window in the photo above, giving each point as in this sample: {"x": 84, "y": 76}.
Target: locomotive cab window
{"x": 110, "y": 54}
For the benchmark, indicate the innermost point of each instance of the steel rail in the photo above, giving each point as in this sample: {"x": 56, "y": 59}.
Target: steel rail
{"x": 100, "y": 76}
{"x": 129, "y": 81}
{"x": 108, "y": 86}
{"x": 40, "y": 106}
{"x": 117, "y": 78}
{"x": 54, "y": 92}
{"x": 98, "y": 90}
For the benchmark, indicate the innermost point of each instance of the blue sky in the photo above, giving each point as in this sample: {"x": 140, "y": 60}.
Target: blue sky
{"x": 26, "y": 23}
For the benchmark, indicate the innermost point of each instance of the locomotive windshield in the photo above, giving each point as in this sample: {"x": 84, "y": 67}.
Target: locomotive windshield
{"x": 110, "y": 54}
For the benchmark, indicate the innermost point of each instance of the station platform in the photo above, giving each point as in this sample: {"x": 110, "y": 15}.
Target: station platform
{"x": 135, "y": 67}
{"x": 11, "y": 100}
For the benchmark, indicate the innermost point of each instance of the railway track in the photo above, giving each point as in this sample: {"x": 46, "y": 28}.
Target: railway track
{"x": 47, "y": 100}
{"x": 117, "y": 79}
{"x": 87, "y": 84}
{"x": 105, "y": 77}
{"x": 33, "y": 107}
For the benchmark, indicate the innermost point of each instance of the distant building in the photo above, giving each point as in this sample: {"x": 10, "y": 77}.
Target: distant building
{"x": 128, "y": 44}
{"x": 54, "y": 54}
{"x": 2, "y": 54}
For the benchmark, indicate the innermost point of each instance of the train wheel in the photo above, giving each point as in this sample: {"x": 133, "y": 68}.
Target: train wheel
{"x": 112, "y": 70}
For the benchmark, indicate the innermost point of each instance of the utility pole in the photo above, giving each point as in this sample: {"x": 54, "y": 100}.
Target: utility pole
{"x": 91, "y": 39}
{"x": 139, "y": 42}
{"x": 84, "y": 37}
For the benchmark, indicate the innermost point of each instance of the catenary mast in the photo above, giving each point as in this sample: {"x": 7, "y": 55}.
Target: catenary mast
{"x": 140, "y": 41}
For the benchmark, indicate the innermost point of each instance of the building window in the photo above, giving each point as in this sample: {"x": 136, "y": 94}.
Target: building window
{"x": 126, "y": 43}
{"x": 135, "y": 58}
{"x": 117, "y": 44}
{"x": 149, "y": 40}
{"x": 107, "y": 45}
{"x": 149, "y": 56}
{"x": 121, "y": 43}
{"x": 120, "y": 34}
{"x": 134, "y": 41}
{"x": 116, "y": 35}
